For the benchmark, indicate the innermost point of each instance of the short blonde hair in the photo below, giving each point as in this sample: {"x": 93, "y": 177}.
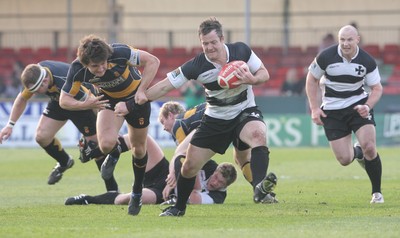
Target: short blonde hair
{"x": 170, "y": 107}
{"x": 30, "y": 75}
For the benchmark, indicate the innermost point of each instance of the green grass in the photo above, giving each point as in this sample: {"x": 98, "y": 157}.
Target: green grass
{"x": 318, "y": 198}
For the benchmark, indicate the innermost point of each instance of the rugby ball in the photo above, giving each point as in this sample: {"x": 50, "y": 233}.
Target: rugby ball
{"x": 226, "y": 76}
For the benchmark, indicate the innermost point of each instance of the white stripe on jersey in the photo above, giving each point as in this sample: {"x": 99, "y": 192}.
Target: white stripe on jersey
{"x": 348, "y": 70}
{"x": 177, "y": 79}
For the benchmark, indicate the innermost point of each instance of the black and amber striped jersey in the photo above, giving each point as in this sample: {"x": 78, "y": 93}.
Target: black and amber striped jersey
{"x": 186, "y": 122}
{"x": 120, "y": 80}
{"x": 57, "y": 71}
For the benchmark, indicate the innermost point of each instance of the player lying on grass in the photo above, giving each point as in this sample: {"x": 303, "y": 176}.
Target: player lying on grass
{"x": 211, "y": 186}
{"x": 182, "y": 124}
{"x": 154, "y": 182}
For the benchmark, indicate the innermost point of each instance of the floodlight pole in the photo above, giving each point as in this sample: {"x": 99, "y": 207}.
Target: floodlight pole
{"x": 247, "y": 22}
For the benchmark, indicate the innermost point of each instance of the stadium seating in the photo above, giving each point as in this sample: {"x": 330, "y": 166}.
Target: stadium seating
{"x": 275, "y": 58}
{"x": 275, "y": 51}
{"x": 373, "y": 50}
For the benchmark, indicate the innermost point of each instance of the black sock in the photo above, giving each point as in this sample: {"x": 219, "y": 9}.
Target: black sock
{"x": 111, "y": 183}
{"x": 185, "y": 187}
{"x": 116, "y": 151}
{"x": 55, "y": 150}
{"x": 105, "y": 198}
{"x": 358, "y": 154}
{"x": 374, "y": 171}
{"x": 122, "y": 144}
{"x": 139, "y": 169}
{"x": 96, "y": 153}
{"x": 259, "y": 161}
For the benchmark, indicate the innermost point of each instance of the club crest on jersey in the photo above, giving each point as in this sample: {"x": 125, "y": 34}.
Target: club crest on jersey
{"x": 141, "y": 121}
{"x": 360, "y": 70}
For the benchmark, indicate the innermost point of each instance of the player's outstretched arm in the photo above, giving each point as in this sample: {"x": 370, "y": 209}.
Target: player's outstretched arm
{"x": 90, "y": 102}
{"x": 159, "y": 89}
{"x": 17, "y": 110}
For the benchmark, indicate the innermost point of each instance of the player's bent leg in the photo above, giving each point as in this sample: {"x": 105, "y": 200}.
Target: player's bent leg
{"x": 343, "y": 150}
{"x": 47, "y": 129}
{"x": 242, "y": 158}
{"x": 196, "y": 158}
{"x": 108, "y": 126}
{"x": 366, "y": 136}
{"x": 138, "y": 139}
{"x": 122, "y": 199}
{"x": 45, "y": 137}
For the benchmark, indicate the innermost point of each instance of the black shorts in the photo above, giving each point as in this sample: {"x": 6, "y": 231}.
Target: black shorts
{"x": 217, "y": 134}
{"x": 340, "y": 123}
{"x": 139, "y": 118}
{"x": 84, "y": 120}
{"x": 155, "y": 179}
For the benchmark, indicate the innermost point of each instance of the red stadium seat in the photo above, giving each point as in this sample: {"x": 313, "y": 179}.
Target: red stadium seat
{"x": 259, "y": 50}
{"x": 195, "y": 50}
{"x": 44, "y": 51}
{"x": 373, "y": 50}
{"x": 180, "y": 51}
{"x": 290, "y": 61}
{"x": 159, "y": 51}
{"x": 294, "y": 51}
{"x": 7, "y": 51}
{"x": 391, "y": 48}
{"x": 63, "y": 52}
{"x": 6, "y": 62}
{"x": 270, "y": 60}
{"x": 391, "y": 58}
{"x": 275, "y": 51}
{"x": 311, "y": 50}
{"x": 26, "y": 51}
{"x": 391, "y": 89}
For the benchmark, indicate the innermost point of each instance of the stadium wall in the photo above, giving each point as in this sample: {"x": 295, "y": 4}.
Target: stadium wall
{"x": 155, "y": 23}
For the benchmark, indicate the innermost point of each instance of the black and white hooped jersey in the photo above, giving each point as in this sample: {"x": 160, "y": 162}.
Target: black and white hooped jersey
{"x": 341, "y": 81}
{"x": 221, "y": 103}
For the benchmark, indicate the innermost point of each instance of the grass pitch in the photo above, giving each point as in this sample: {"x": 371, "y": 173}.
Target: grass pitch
{"x": 317, "y": 198}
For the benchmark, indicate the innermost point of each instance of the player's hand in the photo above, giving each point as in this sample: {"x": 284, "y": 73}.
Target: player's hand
{"x": 171, "y": 180}
{"x": 363, "y": 110}
{"x": 140, "y": 97}
{"x": 96, "y": 102}
{"x": 244, "y": 75}
{"x": 5, "y": 134}
{"x": 166, "y": 192}
{"x": 316, "y": 115}
{"x": 120, "y": 109}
